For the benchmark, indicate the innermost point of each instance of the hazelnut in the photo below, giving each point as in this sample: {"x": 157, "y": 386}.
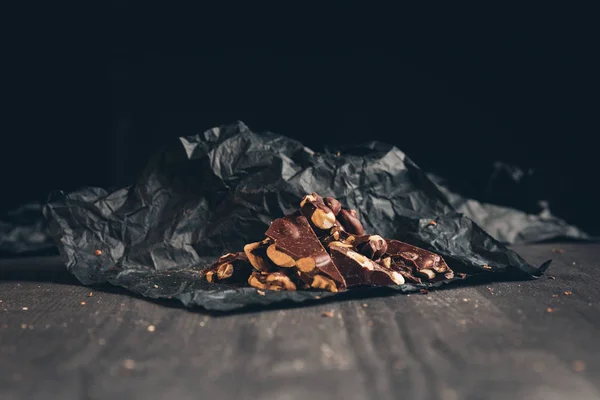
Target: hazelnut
{"x": 426, "y": 273}
{"x": 209, "y": 276}
{"x": 333, "y": 204}
{"x": 306, "y": 264}
{"x": 321, "y": 282}
{"x": 350, "y": 223}
{"x": 281, "y": 280}
{"x": 340, "y": 244}
{"x": 408, "y": 255}
{"x": 257, "y": 262}
{"x": 387, "y": 262}
{"x": 374, "y": 247}
{"x": 224, "y": 271}
{"x": 279, "y": 258}
{"x": 323, "y": 218}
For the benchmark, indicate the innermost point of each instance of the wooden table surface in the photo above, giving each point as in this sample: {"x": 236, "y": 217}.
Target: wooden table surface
{"x": 508, "y": 340}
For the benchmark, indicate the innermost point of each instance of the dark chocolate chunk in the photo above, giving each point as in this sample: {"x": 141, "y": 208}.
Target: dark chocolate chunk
{"x": 425, "y": 264}
{"x": 294, "y": 238}
{"x": 359, "y": 270}
{"x": 229, "y": 268}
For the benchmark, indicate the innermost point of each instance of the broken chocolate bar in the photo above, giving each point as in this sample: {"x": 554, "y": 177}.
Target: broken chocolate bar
{"x": 425, "y": 264}
{"x": 359, "y": 270}
{"x": 229, "y": 268}
{"x": 296, "y": 245}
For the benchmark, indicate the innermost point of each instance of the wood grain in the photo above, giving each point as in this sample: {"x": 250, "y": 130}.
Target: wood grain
{"x": 490, "y": 341}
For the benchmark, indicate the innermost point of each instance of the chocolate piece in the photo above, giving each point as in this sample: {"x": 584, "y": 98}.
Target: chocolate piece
{"x": 333, "y": 205}
{"x": 372, "y": 246}
{"x": 294, "y": 237}
{"x": 350, "y": 222}
{"x": 399, "y": 265}
{"x": 420, "y": 258}
{"x": 320, "y": 216}
{"x": 424, "y": 263}
{"x": 271, "y": 281}
{"x": 229, "y": 268}
{"x": 359, "y": 270}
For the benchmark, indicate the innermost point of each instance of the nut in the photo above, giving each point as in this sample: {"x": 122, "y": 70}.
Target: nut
{"x": 397, "y": 278}
{"x": 321, "y": 282}
{"x": 333, "y": 204}
{"x": 224, "y": 271}
{"x": 426, "y": 273}
{"x": 256, "y": 280}
{"x": 350, "y": 239}
{"x": 323, "y": 218}
{"x": 279, "y": 258}
{"x": 224, "y": 256}
{"x": 387, "y": 262}
{"x": 306, "y": 264}
{"x": 350, "y": 223}
{"x": 280, "y": 280}
{"x": 257, "y": 262}
{"x": 340, "y": 244}
{"x": 408, "y": 255}
{"x": 374, "y": 247}
{"x": 362, "y": 260}
{"x": 313, "y": 197}
{"x": 209, "y": 276}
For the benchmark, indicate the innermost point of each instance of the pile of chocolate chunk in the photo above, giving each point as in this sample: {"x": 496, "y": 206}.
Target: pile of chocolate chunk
{"x": 323, "y": 246}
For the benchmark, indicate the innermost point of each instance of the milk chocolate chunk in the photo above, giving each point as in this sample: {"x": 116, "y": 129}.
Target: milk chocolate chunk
{"x": 359, "y": 270}
{"x": 229, "y": 268}
{"x": 294, "y": 237}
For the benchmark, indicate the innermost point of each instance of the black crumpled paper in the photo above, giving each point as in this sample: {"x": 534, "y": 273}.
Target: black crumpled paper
{"x": 220, "y": 190}
{"x": 509, "y": 225}
{"x": 24, "y": 231}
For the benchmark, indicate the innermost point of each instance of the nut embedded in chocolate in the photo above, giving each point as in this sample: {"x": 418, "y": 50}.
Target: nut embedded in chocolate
{"x": 322, "y": 282}
{"x": 271, "y": 281}
{"x": 257, "y": 255}
{"x": 279, "y": 258}
{"x": 359, "y": 270}
{"x": 304, "y": 247}
{"x": 350, "y": 223}
{"x": 372, "y": 246}
{"x": 333, "y": 205}
{"x": 231, "y": 267}
{"x": 317, "y": 212}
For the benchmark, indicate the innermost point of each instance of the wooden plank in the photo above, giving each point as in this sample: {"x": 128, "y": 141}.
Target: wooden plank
{"x": 462, "y": 343}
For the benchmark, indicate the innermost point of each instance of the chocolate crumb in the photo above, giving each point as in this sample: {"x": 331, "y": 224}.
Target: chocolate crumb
{"x": 551, "y": 277}
{"x": 155, "y": 286}
{"x": 151, "y": 328}
{"x": 432, "y": 223}
{"x": 91, "y": 294}
{"x": 549, "y": 309}
{"x": 328, "y": 314}
{"x": 83, "y": 303}
{"x": 554, "y": 295}
{"x": 487, "y": 267}
{"x": 25, "y": 308}
{"x": 98, "y": 252}
{"x": 365, "y": 305}
{"x": 128, "y": 364}
{"x": 424, "y": 291}
{"x": 260, "y": 292}
{"x": 559, "y": 251}
{"x": 568, "y": 293}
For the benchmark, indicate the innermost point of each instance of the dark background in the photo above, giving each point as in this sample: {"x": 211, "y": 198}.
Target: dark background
{"x": 89, "y": 110}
